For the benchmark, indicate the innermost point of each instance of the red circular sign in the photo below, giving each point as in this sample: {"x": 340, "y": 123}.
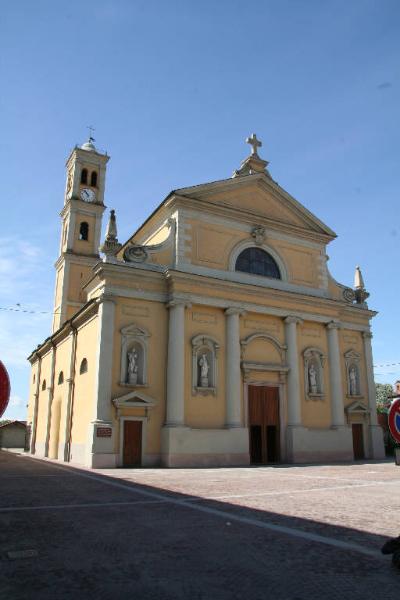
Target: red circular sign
{"x": 394, "y": 420}
{"x": 4, "y": 389}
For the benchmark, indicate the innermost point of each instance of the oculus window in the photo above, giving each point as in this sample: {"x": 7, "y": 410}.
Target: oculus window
{"x": 257, "y": 262}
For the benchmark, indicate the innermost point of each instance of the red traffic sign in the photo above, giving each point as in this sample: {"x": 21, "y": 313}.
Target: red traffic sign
{"x": 4, "y": 389}
{"x": 394, "y": 420}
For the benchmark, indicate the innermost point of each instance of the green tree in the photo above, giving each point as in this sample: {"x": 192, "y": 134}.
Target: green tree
{"x": 383, "y": 390}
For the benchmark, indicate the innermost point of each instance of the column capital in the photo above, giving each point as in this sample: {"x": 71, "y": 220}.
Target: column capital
{"x": 178, "y": 302}
{"x": 235, "y": 311}
{"x": 367, "y": 335}
{"x": 293, "y": 319}
{"x": 107, "y": 297}
{"x": 334, "y": 325}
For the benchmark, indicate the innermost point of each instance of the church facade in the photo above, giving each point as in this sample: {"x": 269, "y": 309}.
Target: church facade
{"x": 215, "y": 335}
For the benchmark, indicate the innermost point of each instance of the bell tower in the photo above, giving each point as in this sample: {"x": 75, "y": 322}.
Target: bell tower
{"x": 81, "y": 219}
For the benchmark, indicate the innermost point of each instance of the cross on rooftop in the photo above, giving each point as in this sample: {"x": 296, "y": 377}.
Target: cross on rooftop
{"x": 254, "y": 143}
{"x": 91, "y": 130}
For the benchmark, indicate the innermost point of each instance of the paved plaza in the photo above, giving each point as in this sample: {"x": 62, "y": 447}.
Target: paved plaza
{"x": 287, "y": 532}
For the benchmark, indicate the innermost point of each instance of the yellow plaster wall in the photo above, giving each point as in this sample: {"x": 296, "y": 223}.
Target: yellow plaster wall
{"x": 59, "y": 406}
{"x": 353, "y": 340}
{"x": 78, "y": 276}
{"x": 83, "y": 403}
{"x": 153, "y": 318}
{"x": 315, "y": 413}
{"x": 158, "y": 237}
{"x": 205, "y": 411}
{"x": 84, "y": 246}
{"x": 212, "y": 246}
{"x": 43, "y": 398}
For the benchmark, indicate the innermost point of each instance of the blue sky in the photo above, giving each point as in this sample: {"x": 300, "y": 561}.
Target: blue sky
{"x": 173, "y": 89}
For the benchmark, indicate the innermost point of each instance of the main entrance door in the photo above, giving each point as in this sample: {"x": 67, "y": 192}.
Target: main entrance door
{"x": 132, "y": 456}
{"x": 358, "y": 441}
{"x": 264, "y": 424}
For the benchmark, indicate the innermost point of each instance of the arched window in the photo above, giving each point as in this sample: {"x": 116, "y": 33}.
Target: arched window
{"x": 84, "y": 231}
{"x": 93, "y": 179}
{"x": 44, "y": 385}
{"x": 61, "y": 378}
{"x": 84, "y": 366}
{"x": 257, "y": 262}
{"x": 84, "y": 175}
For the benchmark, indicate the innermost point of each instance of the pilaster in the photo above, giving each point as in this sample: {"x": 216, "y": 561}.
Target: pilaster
{"x": 101, "y": 449}
{"x": 376, "y": 433}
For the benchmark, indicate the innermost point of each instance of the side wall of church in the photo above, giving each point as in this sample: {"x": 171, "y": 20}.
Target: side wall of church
{"x": 83, "y": 409}
{"x": 43, "y": 403}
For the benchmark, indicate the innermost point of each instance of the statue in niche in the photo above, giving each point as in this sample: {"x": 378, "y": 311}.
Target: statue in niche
{"x": 353, "y": 381}
{"x": 312, "y": 379}
{"x": 132, "y": 366}
{"x": 204, "y": 368}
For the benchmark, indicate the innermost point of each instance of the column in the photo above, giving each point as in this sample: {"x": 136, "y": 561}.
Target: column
{"x": 335, "y": 375}
{"x": 233, "y": 375}
{"x": 104, "y": 362}
{"x": 175, "y": 413}
{"x": 293, "y": 378}
{"x": 367, "y": 335}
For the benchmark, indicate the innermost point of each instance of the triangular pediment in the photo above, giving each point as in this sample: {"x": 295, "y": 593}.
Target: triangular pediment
{"x": 357, "y": 407}
{"x": 260, "y": 197}
{"x": 134, "y": 399}
{"x": 134, "y": 331}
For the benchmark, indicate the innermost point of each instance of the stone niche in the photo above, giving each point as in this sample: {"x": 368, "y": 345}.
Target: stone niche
{"x": 134, "y": 353}
{"x": 204, "y": 364}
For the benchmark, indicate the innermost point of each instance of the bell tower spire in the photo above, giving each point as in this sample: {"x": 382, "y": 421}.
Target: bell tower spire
{"x": 81, "y": 219}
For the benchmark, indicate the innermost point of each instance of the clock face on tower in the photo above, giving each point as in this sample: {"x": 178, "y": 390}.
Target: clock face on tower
{"x": 88, "y": 195}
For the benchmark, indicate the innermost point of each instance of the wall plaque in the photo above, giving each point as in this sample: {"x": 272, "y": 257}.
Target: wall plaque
{"x": 104, "y": 432}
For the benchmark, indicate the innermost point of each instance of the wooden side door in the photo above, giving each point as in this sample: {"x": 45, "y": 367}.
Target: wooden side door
{"x": 264, "y": 424}
{"x": 358, "y": 441}
{"x": 132, "y": 453}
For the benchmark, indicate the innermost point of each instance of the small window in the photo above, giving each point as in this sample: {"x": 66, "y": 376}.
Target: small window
{"x": 84, "y": 231}
{"x": 84, "y": 366}
{"x": 34, "y": 378}
{"x": 93, "y": 179}
{"x": 44, "y": 385}
{"x": 257, "y": 262}
{"x": 61, "y": 378}
{"x": 84, "y": 175}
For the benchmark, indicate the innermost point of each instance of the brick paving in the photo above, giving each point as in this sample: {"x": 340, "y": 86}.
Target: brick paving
{"x": 287, "y": 532}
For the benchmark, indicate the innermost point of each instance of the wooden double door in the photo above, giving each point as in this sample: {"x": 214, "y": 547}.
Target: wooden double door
{"x": 132, "y": 451}
{"x": 264, "y": 424}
